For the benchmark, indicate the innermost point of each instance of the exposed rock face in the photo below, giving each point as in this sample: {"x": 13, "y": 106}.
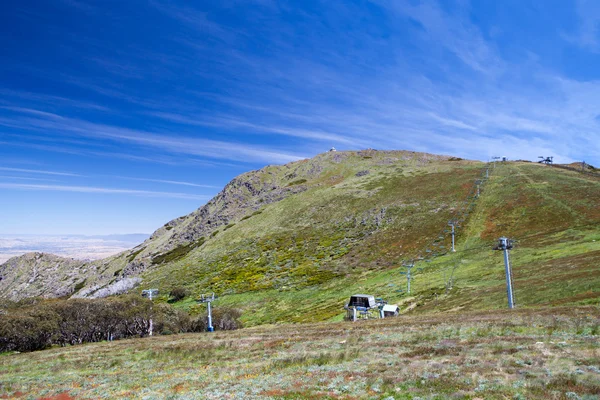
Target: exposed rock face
{"x": 39, "y": 274}
{"x": 243, "y": 194}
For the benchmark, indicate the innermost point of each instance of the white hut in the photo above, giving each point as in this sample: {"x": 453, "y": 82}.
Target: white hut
{"x": 390, "y": 310}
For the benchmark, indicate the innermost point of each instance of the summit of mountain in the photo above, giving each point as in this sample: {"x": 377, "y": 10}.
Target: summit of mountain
{"x": 293, "y": 242}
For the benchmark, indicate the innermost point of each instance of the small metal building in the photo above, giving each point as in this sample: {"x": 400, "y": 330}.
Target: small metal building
{"x": 391, "y": 310}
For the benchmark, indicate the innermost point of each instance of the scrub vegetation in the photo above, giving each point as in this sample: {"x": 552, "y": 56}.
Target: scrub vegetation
{"x": 521, "y": 354}
{"x": 38, "y": 324}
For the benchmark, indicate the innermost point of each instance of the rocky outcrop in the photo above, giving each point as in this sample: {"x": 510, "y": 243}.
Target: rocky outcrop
{"x": 40, "y": 274}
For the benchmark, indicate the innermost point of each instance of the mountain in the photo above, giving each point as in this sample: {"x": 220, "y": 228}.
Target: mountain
{"x": 293, "y": 242}
{"x": 40, "y": 274}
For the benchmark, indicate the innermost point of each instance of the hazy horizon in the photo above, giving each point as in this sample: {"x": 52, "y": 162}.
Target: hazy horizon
{"x": 74, "y": 246}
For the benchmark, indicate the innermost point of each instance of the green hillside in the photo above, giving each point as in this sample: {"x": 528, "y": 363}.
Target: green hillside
{"x": 299, "y": 260}
{"x": 291, "y": 243}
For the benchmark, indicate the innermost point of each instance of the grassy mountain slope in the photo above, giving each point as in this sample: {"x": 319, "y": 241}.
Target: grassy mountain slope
{"x": 291, "y": 243}
{"x": 289, "y": 226}
{"x": 293, "y": 260}
{"x": 521, "y": 354}
{"x": 299, "y": 260}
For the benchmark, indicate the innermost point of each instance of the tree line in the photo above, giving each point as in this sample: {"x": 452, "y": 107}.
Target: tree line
{"x": 36, "y": 324}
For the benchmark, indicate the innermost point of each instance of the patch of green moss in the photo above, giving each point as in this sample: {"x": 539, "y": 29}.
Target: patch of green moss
{"x": 297, "y": 182}
{"x": 79, "y": 286}
{"x": 177, "y": 253}
{"x": 133, "y": 255}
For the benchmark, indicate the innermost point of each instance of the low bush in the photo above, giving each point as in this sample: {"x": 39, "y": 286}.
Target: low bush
{"x": 178, "y": 252}
{"x": 178, "y": 293}
{"x": 40, "y": 324}
{"x": 297, "y": 182}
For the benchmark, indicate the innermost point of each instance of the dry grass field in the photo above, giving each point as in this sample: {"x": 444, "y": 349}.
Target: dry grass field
{"x": 551, "y": 353}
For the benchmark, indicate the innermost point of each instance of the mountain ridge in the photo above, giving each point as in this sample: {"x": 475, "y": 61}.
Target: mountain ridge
{"x": 242, "y": 196}
{"x": 291, "y": 242}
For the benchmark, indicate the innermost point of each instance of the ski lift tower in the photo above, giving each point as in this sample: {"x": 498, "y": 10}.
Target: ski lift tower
{"x": 453, "y": 225}
{"x": 150, "y": 293}
{"x": 208, "y": 299}
{"x": 504, "y": 245}
{"x": 495, "y": 160}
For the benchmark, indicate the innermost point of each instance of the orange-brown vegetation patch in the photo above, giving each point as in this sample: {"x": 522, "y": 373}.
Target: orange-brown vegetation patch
{"x": 14, "y": 395}
{"x": 61, "y": 396}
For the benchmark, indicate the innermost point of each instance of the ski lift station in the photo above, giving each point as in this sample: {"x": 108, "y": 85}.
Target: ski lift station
{"x": 362, "y": 301}
{"x": 365, "y": 306}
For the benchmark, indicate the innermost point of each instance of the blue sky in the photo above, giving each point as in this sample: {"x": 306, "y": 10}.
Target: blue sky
{"x": 116, "y": 117}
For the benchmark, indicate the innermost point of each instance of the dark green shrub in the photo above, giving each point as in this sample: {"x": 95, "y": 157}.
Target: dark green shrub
{"x": 43, "y": 323}
{"x": 168, "y": 320}
{"x": 28, "y": 330}
{"x": 226, "y": 318}
{"x": 177, "y": 253}
{"x": 297, "y": 182}
{"x": 80, "y": 286}
{"x": 178, "y": 293}
{"x": 134, "y": 254}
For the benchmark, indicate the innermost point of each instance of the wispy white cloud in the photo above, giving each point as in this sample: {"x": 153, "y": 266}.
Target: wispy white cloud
{"x": 102, "y": 190}
{"x": 25, "y": 178}
{"x": 236, "y": 123}
{"x": 588, "y": 34}
{"x": 158, "y": 141}
{"x": 194, "y": 19}
{"x": 38, "y": 171}
{"x": 31, "y": 111}
{"x": 90, "y": 149}
{"x": 10, "y": 96}
{"x": 170, "y": 182}
{"x": 453, "y": 31}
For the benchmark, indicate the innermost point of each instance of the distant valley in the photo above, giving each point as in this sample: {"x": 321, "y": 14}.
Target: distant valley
{"x": 72, "y": 246}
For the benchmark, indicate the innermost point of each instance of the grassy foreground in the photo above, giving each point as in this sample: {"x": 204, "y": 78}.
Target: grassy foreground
{"x": 520, "y": 354}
